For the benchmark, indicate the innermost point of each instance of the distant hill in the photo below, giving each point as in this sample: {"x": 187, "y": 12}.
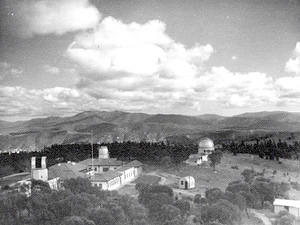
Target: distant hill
{"x": 123, "y": 126}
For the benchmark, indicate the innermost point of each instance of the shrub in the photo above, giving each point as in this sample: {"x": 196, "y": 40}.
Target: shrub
{"x": 235, "y": 167}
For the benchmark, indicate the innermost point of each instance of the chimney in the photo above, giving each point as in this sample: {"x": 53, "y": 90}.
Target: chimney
{"x": 43, "y": 162}
{"x": 33, "y": 163}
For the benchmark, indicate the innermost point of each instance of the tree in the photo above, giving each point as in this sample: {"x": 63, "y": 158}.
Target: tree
{"x": 215, "y": 158}
{"x": 265, "y": 191}
{"x": 101, "y": 216}
{"x": 238, "y": 186}
{"x": 78, "y": 185}
{"x": 213, "y": 195}
{"x": 222, "y": 211}
{"x": 166, "y": 161}
{"x": 197, "y": 198}
{"x": 77, "y": 220}
{"x": 284, "y": 218}
{"x": 248, "y": 175}
{"x": 183, "y": 205}
{"x": 170, "y": 215}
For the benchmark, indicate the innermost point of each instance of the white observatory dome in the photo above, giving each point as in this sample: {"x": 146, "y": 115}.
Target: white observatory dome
{"x": 206, "y": 145}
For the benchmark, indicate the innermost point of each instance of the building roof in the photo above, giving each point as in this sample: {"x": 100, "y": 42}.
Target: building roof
{"x": 107, "y": 176}
{"x": 134, "y": 163}
{"x": 14, "y": 178}
{"x": 286, "y": 202}
{"x": 195, "y": 156}
{"x": 102, "y": 162}
{"x": 123, "y": 168}
{"x": 187, "y": 178}
{"x": 67, "y": 170}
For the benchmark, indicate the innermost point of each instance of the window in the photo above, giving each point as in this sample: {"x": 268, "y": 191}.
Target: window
{"x": 182, "y": 182}
{"x": 105, "y": 169}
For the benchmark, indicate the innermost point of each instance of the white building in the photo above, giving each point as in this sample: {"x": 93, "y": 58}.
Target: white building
{"x": 113, "y": 180}
{"x": 39, "y": 170}
{"x": 187, "y": 182}
{"x": 110, "y": 173}
{"x": 205, "y": 148}
{"x": 292, "y": 206}
{"x": 103, "y": 163}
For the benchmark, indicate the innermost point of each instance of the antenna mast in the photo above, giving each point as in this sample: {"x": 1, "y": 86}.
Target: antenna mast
{"x": 92, "y": 151}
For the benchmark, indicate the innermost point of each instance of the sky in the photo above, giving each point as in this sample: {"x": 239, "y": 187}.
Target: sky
{"x": 192, "y": 57}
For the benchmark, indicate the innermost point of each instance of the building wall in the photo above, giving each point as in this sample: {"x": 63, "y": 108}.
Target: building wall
{"x": 103, "y": 169}
{"x": 292, "y": 210}
{"x": 138, "y": 171}
{"x": 127, "y": 175}
{"x": 102, "y": 185}
{"x": 54, "y": 183}
{"x": 190, "y": 183}
{"x": 114, "y": 184}
{"x": 40, "y": 174}
{"x": 278, "y": 208}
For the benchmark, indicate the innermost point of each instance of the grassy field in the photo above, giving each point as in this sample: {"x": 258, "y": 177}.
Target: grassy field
{"x": 230, "y": 170}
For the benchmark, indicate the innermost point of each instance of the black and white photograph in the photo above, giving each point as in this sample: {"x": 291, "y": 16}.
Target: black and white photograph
{"x": 149, "y": 112}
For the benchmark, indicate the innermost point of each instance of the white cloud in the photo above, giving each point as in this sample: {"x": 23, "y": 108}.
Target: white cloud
{"x": 293, "y": 64}
{"x": 54, "y": 16}
{"x": 135, "y": 49}
{"x": 288, "y": 90}
{"x": 7, "y": 70}
{"x": 140, "y": 66}
{"x": 236, "y": 89}
{"x": 51, "y": 69}
{"x": 41, "y": 102}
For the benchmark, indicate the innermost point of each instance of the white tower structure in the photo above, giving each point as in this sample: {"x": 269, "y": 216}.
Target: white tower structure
{"x": 103, "y": 152}
{"x": 39, "y": 169}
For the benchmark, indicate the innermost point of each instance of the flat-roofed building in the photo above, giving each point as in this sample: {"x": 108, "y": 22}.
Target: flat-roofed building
{"x": 62, "y": 171}
{"x": 110, "y": 180}
{"x": 292, "y": 206}
{"x": 102, "y": 165}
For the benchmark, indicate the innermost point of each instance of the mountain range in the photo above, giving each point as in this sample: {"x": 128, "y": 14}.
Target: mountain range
{"x": 121, "y": 126}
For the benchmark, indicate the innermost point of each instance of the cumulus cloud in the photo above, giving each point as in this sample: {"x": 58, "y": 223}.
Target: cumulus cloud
{"x": 136, "y": 49}
{"x": 293, "y": 64}
{"x": 51, "y": 69}
{"x": 288, "y": 90}
{"x": 141, "y": 66}
{"x": 53, "y": 16}
{"x": 7, "y": 70}
{"x": 19, "y": 101}
{"x": 236, "y": 89}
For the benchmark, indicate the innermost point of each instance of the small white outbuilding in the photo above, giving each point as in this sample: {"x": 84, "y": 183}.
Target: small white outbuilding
{"x": 187, "y": 182}
{"x": 292, "y": 206}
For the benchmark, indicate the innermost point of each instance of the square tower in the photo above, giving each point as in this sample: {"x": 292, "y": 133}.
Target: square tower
{"x": 39, "y": 169}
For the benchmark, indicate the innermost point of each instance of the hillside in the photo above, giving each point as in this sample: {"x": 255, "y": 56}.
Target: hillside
{"x": 123, "y": 126}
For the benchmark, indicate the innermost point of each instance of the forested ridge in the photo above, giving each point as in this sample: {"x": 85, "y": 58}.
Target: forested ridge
{"x": 150, "y": 153}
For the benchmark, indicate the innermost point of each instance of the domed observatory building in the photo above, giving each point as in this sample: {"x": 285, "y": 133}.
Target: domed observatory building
{"x": 205, "y": 147}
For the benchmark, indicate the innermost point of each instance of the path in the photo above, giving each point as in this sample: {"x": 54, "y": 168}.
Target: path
{"x": 261, "y": 216}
